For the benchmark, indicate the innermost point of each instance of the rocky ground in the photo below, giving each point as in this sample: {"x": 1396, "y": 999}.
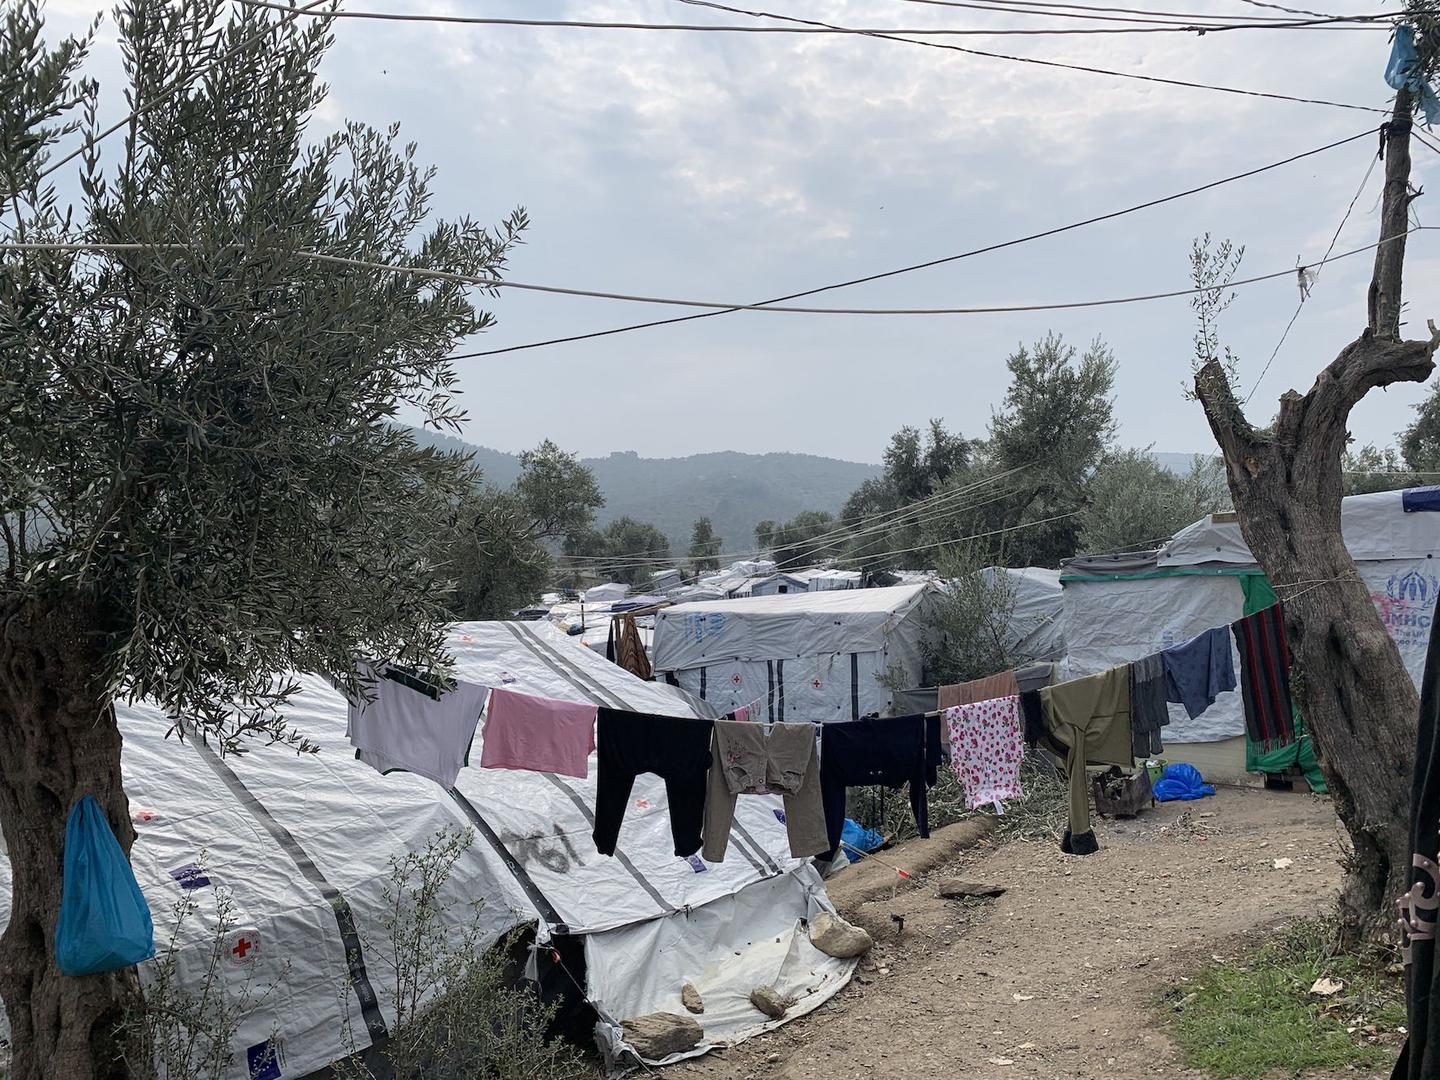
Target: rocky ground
{"x": 1062, "y": 975}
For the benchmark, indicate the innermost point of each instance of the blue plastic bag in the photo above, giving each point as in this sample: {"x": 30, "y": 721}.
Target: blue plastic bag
{"x": 855, "y": 839}
{"x": 1181, "y": 781}
{"x": 104, "y": 920}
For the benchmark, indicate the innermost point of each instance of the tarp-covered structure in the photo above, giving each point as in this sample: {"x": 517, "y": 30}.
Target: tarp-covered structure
{"x": 1117, "y": 608}
{"x": 804, "y": 657}
{"x": 300, "y": 844}
{"x": 1032, "y": 625}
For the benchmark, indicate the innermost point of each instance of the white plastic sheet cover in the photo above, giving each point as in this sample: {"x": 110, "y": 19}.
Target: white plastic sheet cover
{"x": 300, "y": 844}
{"x": 754, "y": 938}
{"x": 200, "y": 835}
{"x": 1375, "y": 527}
{"x": 607, "y": 593}
{"x": 1404, "y": 592}
{"x": 546, "y": 821}
{"x": 1035, "y": 628}
{"x": 1107, "y": 623}
{"x": 775, "y": 627}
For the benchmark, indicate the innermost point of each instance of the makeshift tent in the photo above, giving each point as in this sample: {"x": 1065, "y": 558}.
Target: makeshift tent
{"x": 806, "y": 657}
{"x": 1034, "y": 627}
{"x": 780, "y": 585}
{"x": 1118, "y": 608}
{"x": 300, "y": 844}
{"x": 665, "y": 580}
{"x": 607, "y": 593}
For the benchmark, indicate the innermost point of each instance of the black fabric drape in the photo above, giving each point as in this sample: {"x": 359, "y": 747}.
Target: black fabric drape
{"x": 1420, "y": 1059}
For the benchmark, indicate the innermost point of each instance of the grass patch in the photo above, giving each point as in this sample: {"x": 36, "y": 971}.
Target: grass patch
{"x": 1250, "y": 1016}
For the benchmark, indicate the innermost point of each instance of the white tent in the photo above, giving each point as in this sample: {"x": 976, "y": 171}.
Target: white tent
{"x": 1121, "y": 607}
{"x": 1033, "y": 627}
{"x": 301, "y": 844}
{"x": 606, "y": 593}
{"x": 805, "y": 657}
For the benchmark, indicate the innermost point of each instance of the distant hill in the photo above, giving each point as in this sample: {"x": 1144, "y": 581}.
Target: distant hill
{"x": 736, "y": 491}
{"x": 1177, "y": 463}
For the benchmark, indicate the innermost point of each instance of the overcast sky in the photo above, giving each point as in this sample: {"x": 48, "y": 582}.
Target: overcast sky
{"x": 736, "y": 167}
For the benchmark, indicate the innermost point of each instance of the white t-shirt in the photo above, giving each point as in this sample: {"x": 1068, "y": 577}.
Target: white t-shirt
{"x": 403, "y": 728}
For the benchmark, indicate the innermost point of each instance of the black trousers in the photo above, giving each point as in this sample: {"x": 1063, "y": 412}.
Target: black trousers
{"x": 890, "y": 751}
{"x": 676, "y": 749}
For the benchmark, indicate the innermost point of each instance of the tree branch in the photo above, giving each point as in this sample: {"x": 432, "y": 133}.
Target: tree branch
{"x": 1238, "y": 440}
{"x": 1385, "y": 284}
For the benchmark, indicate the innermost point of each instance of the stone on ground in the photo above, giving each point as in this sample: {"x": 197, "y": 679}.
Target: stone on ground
{"x": 658, "y": 1035}
{"x": 835, "y": 937}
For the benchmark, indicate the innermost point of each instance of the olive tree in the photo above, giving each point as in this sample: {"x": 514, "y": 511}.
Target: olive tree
{"x": 201, "y": 487}
{"x": 1286, "y": 480}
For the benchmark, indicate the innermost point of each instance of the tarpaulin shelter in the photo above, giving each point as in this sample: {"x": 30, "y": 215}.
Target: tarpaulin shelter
{"x": 1119, "y": 608}
{"x": 301, "y": 844}
{"x": 1033, "y": 626}
{"x": 804, "y": 657}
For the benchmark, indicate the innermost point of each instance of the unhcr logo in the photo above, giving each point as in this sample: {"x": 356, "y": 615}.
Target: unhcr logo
{"x": 1412, "y": 587}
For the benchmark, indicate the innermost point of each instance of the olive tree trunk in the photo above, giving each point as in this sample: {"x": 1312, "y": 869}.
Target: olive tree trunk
{"x": 1347, "y": 675}
{"x": 58, "y": 742}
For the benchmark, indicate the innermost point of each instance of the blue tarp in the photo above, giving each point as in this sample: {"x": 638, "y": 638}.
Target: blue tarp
{"x": 1181, "y": 781}
{"x": 1414, "y": 500}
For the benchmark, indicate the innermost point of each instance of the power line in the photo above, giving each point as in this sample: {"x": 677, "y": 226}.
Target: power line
{"x": 1363, "y": 22}
{"x": 1058, "y": 10}
{"x": 716, "y": 305}
{"x": 817, "y": 28}
{"x": 1304, "y": 288}
{"x": 1290, "y": 10}
{"x": 890, "y": 36}
{"x": 928, "y": 264}
{"x": 891, "y": 518}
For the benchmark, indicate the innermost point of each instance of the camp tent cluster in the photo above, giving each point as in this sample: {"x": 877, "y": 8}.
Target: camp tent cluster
{"x": 299, "y": 846}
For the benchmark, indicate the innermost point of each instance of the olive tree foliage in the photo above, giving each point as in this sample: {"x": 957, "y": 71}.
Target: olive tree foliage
{"x": 1420, "y": 442}
{"x": 500, "y": 551}
{"x": 1134, "y": 502}
{"x": 704, "y": 546}
{"x": 201, "y": 487}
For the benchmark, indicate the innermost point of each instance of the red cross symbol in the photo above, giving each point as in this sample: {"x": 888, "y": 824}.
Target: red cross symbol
{"x": 242, "y": 947}
{"x": 735, "y": 678}
{"x": 816, "y": 684}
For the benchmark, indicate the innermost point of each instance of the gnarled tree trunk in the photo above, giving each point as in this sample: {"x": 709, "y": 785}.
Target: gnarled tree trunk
{"x": 58, "y": 743}
{"x": 1347, "y": 675}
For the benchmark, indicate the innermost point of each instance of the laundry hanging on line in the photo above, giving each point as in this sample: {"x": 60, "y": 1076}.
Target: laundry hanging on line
{"x": 1199, "y": 670}
{"x": 748, "y": 760}
{"x": 400, "y": 722}
{"x": 1265, "y": 678}
{"x": 537, "y": 734}
{"x": 986, "y": 747}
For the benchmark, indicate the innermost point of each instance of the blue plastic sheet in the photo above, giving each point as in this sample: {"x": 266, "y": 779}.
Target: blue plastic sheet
{"x": 1181, "y": 781}
{"x": 1421, "y": 499}
{"x": 1404, "y": 70}
{"x": 104, "y": 920}
{"x": 855, "y": 838}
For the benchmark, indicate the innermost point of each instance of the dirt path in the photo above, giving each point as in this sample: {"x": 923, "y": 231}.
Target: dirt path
{"x": 1059, "y": 977}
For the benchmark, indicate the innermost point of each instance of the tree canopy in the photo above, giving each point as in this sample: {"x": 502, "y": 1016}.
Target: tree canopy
{"x": 201, "y": 487}
{"x": 704, "y": 546}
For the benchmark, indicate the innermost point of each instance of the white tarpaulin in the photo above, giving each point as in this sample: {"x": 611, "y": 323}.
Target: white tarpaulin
{"x": 1118, "y": 609}
{"x": 806, "y": 657}
{"x": 1108, "y": 623}
{"x": 1034, "y": 627}
{"x": 1376, "y": 528}
{"x": 301, "y": 843}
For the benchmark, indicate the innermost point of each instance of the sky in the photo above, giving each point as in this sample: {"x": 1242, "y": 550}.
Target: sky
{"x": 738, "y": 167}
